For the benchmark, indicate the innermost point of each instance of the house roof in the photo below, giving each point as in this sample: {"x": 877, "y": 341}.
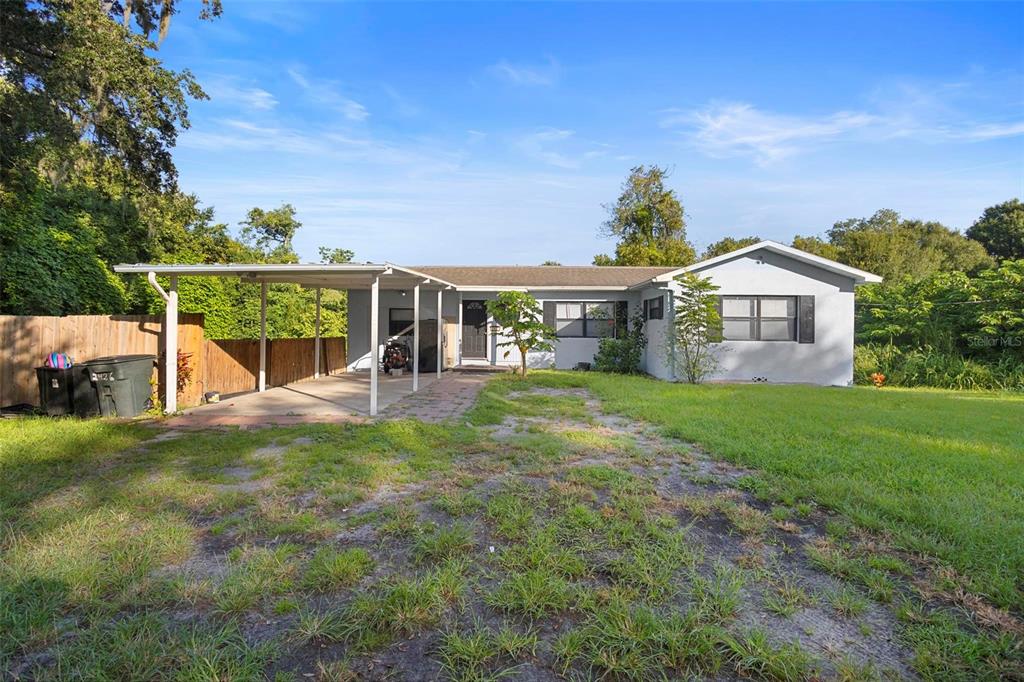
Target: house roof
{"x": 481, "y": 277}
{"x": 539, "y": 276}
{"x": 859, "y": 276}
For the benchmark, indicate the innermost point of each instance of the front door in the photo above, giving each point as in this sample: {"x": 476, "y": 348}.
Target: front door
{"x": 474, "y": 330}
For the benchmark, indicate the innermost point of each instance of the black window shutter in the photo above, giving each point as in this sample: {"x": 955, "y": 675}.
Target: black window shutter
{"x": 806, "y": 328}
{"x": 647, "y": 313}
{"x": 621, "y": 318}
{"x": 549, "y": 313}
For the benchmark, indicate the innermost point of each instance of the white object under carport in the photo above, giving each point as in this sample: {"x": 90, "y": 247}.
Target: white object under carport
{"x": 372, "y": 276}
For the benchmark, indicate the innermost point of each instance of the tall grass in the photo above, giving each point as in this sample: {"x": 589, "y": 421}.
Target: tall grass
{"x": 936, "y": 369}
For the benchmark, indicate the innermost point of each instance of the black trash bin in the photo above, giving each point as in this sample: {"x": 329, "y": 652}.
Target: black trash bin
{"x": 55, "y": 396}
{"x": 83, "y": 392}
{"x": 122, "y": 383}
{"x": 66, "y": 391}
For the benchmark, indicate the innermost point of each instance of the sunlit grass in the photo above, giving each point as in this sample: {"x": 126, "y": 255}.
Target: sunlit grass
{"x": 941, "y": 471}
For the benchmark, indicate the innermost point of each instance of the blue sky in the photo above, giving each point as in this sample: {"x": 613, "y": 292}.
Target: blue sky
{"x": 493, "y": 133}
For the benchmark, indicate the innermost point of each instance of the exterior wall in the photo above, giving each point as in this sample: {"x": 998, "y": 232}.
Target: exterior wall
{"x": 827, "y": 361}
{"x": 568, "y": 352}
{"x": 657, "y": 359}
{"x": 359, "y": 318}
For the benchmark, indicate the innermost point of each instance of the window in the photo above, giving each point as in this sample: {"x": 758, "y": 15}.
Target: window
{"x": 398, "y": 320}
{"x": 654, "y": 308}
{"x": 759, "y": 318}
{"x": 590, "y": 320}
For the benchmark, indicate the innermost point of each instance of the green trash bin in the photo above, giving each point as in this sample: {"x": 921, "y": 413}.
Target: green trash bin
{"x": 122, "y": 384}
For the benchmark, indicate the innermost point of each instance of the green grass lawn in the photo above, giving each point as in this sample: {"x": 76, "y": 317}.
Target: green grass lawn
{"x": 941, "y": 471}
{"x": 547, "y": 536}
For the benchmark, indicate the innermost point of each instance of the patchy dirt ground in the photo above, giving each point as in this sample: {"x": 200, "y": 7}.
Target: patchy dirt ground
{"x": 562, "y": 543}
{"x": 697, "y": 493}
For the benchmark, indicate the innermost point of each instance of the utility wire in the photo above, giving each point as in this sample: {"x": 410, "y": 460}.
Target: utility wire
{"x": 897, "y": 305}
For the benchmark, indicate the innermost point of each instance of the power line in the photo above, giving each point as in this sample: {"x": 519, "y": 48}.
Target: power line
{"x": 897, "y": 305}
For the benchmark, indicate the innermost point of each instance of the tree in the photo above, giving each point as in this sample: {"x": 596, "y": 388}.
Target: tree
{"x": 519, "y": 315}
{"x": 77, "y": 83}
{"x": 1000, "y": 229}
{"x": 151, "y": 15}
{"x": 889, "y": 246}
{"x": 272, "y": 231}
{"x": 727, "y": 244}
{"x": 697, "y": 326}
{"x": 648, "y": 221}
{"x": 336, "y": 255}
{"x": 817, "y": 246}
{"x": 550, "y": 262}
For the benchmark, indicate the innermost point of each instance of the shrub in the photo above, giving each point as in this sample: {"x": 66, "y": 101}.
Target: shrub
{"x": 623, "y": 355}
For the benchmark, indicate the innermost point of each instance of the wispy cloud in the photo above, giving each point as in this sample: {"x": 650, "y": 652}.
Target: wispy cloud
{"x": 546, "y": 74}
{"x": 403, "y": 106}
{"x": 737, "y": 129}
{"x": 328, "y": 93}
{"x": 324, "y": 144}
{"x": 560, "y": 148}
{"x": 290, "y": 17}
{"x": 246, "y": 97}
{"x": 538, "y": 145}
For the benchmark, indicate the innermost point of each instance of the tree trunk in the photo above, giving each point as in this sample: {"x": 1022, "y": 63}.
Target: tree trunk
{"x": 522, "y": 358}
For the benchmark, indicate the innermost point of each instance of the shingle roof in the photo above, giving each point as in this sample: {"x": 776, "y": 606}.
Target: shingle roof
{"x": 535, "y": 276}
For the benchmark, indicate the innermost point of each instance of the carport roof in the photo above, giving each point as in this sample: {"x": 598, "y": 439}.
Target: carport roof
{"x": 331, "y": 276}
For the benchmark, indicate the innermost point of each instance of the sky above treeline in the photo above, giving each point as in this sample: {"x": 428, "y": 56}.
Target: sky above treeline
{"x": 493, "y": 133}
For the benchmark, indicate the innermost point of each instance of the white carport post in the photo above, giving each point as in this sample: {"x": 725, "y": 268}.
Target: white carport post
{"x": 263, "y": 337}
{"x": 316, "y": 340}
{"x": 374, "y": 340}
{"x": 416, "y": 338}
{"x": 170, "y": 341}
{"x": 440, "y": 334}
{"x": 171, "y": 352}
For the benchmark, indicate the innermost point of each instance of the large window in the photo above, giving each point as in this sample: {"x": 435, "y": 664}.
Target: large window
{"x": 759, "y": 318}
{"x": 589, "y": 320}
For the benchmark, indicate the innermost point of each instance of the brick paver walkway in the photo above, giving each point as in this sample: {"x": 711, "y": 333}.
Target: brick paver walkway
{"x": 447, "y": 398}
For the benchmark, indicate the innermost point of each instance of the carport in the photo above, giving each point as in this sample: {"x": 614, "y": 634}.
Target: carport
{"x": 347, "y": 276}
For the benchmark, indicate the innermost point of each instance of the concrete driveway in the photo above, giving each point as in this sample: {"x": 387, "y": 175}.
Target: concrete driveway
{"x": 341, "y": 398}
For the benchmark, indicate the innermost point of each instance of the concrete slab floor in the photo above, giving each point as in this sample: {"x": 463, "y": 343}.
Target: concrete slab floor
{"x": 341, "y": 395}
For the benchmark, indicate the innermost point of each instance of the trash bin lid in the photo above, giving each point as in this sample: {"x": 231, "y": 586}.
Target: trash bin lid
{"x": 115, "y": 359}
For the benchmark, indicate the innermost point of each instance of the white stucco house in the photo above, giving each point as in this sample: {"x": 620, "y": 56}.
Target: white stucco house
{"x": 787, "y": 315}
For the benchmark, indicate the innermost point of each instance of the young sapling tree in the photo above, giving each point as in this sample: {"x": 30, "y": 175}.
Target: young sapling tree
{"x": 520, "y": 317}
{"x": 697, "y": 327}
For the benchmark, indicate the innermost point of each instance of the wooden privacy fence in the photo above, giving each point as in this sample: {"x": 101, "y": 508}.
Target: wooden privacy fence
{"x": 25, "y": 341}
{"x": 232, "y": 365}
{"x": 227, "y": 366}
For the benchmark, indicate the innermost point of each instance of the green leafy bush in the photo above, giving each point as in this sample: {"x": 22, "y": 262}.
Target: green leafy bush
{"x": 623, "y": 355}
